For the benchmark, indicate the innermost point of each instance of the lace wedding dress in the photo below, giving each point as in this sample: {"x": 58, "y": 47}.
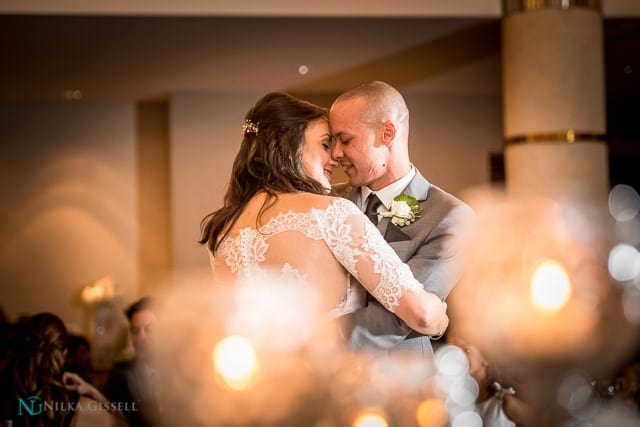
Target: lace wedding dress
{"x": 316, "y": 241}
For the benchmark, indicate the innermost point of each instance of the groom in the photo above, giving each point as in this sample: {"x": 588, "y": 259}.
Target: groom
{"x": 370, "y": 124}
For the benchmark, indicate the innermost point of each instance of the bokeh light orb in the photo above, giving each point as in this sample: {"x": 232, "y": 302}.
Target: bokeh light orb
{"x": 624, "y": 202}
{"x": 432, "y": 413}
{"x": 575, "y": 392}
{"x": 464, "y": 391}
{"x": 550, "y": 286}
{"x": 451, "y": 361}
{"x": 624, "y": 262}
{"x": 467, "y": 419}
{"x": 371, "y": 418}
{"x": 235, "y": 362}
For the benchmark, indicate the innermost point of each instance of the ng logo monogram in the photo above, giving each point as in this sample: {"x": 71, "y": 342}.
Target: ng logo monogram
{"x": 32, "y": 405}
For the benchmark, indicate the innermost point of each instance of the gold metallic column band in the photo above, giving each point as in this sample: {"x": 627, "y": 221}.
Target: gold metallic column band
{"x": 569, "y": 137}
{"x": 513, "y": 6}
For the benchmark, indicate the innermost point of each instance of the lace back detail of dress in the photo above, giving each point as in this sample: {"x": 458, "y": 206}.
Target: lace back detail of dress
{"x": 354, "y": 242}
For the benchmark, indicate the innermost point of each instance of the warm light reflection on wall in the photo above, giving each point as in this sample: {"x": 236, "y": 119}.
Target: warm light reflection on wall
{"x": 550, "y": 286}
{"x": 73, "y": 214}
{"x": 235, "y": 362}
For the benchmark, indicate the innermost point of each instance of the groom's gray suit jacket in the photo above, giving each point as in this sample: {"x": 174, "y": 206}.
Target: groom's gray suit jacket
{"x": 430, "y": 247}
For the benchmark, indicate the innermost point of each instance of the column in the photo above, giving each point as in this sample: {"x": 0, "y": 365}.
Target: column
{"x": 554, "y": 100}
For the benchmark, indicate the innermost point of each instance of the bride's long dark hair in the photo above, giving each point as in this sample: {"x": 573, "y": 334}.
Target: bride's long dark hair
{"x": 269, "y": 161}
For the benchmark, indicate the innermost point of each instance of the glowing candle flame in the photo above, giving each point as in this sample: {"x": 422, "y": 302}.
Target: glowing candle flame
{"x": 550, "y": 286}
{"x": 370, "y": 418}
{"x": 235, "y": 361}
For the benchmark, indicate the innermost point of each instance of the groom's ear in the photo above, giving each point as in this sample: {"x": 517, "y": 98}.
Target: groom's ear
{"x": 388, "y": 133}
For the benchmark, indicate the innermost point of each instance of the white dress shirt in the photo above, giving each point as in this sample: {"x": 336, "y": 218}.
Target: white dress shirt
{"x": 386, "y": 194}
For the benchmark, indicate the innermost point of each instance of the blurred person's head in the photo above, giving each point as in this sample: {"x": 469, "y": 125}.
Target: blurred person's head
{"x": 78, "y": 354}
{"x": 40, "y": 348}
{"x": 142, "y": 320}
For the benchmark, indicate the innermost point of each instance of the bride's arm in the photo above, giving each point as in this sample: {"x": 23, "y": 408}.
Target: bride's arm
{"x": 361, "y": 249}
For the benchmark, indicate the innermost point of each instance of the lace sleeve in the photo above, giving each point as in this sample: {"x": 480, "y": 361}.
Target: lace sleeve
{"x": 361, "y": 249}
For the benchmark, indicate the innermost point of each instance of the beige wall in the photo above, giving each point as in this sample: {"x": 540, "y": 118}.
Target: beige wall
{"x": 68, "y": 205}
{"x": 205, "y": 136}
{"x": 451, "y": 137}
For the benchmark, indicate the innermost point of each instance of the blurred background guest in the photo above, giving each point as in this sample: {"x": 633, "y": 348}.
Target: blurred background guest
{"x": 78, "y": 358}
{"x": 34, "y": 388}
{"x": 34, "y": 374}
{"x": 134, "y": 381}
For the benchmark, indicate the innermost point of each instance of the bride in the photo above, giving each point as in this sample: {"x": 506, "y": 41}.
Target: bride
{"x": 278, "y": 216}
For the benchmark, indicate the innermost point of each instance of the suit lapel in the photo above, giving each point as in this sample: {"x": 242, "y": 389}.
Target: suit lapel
{"x": 418, "y": 187}
{"x": 393, "y": 233}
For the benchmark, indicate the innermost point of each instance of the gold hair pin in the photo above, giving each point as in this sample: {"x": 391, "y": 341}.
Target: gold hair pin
{"x": 249, "y": 127}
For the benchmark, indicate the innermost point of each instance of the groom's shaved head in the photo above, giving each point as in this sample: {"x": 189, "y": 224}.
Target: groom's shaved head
{"x": 383, "y": 102}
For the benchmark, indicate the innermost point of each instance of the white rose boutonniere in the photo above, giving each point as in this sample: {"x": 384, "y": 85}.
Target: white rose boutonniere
{"x": 404, "y": 210}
